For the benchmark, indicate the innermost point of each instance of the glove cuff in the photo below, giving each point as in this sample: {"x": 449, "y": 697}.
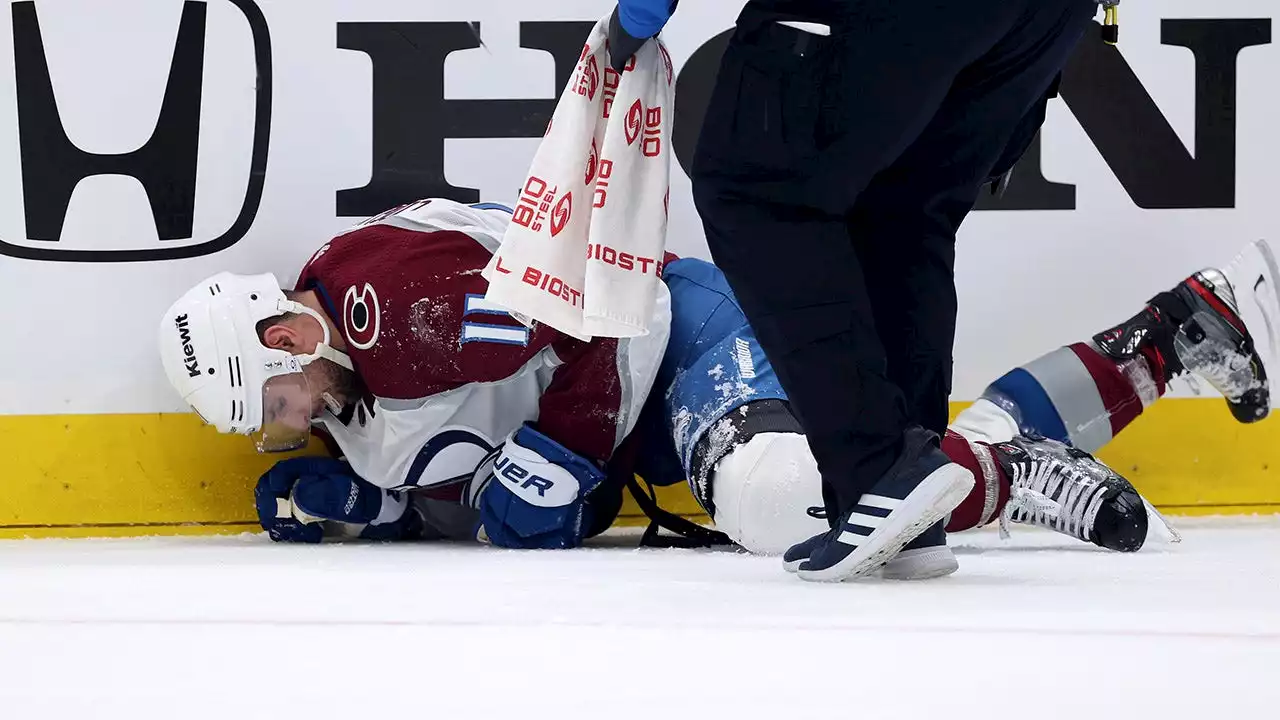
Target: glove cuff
{"x": 622, "y": 44}
{"x": 642, "y": 19}
{"x": 535, "y": 477}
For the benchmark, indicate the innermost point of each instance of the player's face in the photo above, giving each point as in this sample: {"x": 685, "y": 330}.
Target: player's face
{"x": 286, "y": 413}
{"x": 325, "y": 376}
{"x": 300, "y": 335}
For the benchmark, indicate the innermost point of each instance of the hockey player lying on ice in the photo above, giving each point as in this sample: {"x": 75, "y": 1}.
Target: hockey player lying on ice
{"x": 459, "y": 422}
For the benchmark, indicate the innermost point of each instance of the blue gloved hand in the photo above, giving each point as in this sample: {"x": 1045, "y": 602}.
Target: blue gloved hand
{"x": 297, "y": 496}
{"x": 535, "y": 496}
{"x": 632, "y": 23}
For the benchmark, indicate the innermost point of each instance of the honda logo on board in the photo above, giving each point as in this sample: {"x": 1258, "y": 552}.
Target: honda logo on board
{"x": 136, "y": 108}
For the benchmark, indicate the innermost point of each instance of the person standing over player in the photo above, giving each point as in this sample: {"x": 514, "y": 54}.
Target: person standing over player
{"x": 845, "y": 142}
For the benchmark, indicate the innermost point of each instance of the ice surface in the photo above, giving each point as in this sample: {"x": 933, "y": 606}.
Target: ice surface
{"x": 1035, "y": 627}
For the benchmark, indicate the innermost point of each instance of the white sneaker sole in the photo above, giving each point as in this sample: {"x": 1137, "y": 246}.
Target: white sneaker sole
{"x": 921, "y": 564}
{"x": 935, "y": 497}
{"x": 793, "y": 566}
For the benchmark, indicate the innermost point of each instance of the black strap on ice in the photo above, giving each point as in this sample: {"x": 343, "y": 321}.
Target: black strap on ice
{"x": 771, "y": 415}
{"x": 688, "y": 534}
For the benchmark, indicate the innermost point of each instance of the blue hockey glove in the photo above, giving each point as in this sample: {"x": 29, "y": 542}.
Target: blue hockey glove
{"x": 632, "y": 23}
{"x": 297, "y": 496}
{"x": 535, "y": 494}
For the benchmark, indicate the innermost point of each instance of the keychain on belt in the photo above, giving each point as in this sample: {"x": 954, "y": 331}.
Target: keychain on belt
{"x": 1110, "y": 21}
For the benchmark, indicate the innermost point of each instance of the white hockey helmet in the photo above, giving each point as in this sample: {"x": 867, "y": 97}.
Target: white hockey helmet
{"x": 212, "y": 355}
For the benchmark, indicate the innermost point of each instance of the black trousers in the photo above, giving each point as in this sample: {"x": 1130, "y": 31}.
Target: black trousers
{"x": 832, "y": 174}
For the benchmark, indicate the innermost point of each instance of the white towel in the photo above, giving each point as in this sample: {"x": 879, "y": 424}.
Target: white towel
{"x": 584, "y": 250}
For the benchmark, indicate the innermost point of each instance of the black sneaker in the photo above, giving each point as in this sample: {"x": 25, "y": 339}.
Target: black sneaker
{"x": 921, "y": 488}
{"x": 924, "y": 558}
{"x": 801, "y": 551}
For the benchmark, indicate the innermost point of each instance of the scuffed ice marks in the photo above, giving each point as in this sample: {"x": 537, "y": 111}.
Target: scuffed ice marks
{"x": 722, "y": 437}
{"x": 430, "y": 326}
{"x": 433, "y": 320}
{"x": 429, "y": 321}
{"x": 690, "y": 423}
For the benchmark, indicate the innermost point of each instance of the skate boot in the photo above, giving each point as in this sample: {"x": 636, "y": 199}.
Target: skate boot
{"x": 1197, "y": 327}
{"x": 917, "y": 492}
{"x": 1069, "y": 491}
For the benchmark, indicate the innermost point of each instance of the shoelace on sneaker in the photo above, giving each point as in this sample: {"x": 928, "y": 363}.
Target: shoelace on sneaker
{"x": 1053, "y": 495}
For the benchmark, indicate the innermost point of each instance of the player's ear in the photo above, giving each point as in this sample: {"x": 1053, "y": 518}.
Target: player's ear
{"x": 280, "y": 337}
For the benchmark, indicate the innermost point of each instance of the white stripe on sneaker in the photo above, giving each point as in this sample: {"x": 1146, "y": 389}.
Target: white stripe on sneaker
{"x": 851, "y": 538}
{"x": 879, "y": 501}
{"x": 870, "y": 521}
{"x": 938, "y": 494}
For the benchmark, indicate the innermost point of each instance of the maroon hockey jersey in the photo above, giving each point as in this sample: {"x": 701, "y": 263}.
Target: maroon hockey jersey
{"x": 449, "y": 374}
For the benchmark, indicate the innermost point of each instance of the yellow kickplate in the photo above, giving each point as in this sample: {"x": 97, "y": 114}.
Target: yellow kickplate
{"x": 120, "y": 475}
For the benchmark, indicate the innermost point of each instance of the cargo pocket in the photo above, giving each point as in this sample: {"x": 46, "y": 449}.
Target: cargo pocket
{"x": 764, "y": 116}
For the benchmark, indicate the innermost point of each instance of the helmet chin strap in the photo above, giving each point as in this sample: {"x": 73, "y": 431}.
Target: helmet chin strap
{"x": 323, "y": 348}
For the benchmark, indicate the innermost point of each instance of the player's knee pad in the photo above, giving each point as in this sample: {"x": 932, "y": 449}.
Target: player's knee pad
{"x": 761, "y": 492}
{"x": 986, "y": 421}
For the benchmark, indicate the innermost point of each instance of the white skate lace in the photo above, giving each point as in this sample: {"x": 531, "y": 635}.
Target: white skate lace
{"x": 1053, "y": 495}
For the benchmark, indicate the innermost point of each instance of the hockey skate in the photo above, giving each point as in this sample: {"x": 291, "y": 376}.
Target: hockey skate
{"x": 1067, "y": 490}
{"x": 1218, "y": 325}
{"x": 921, "y": 488}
